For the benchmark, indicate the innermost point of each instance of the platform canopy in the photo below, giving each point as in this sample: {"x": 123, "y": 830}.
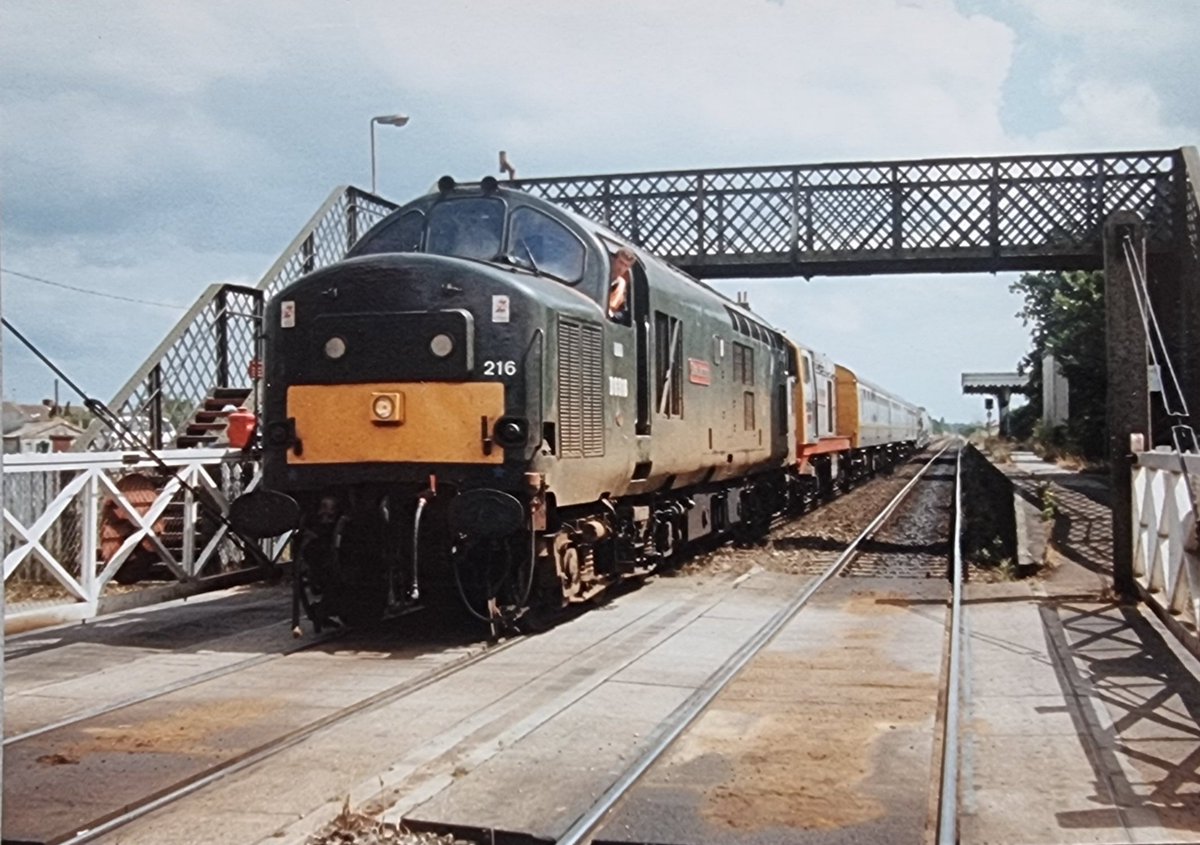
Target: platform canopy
{"x": 993, "y": 383}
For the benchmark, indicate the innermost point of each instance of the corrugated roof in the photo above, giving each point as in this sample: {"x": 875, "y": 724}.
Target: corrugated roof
{"x": 993, "y": 382}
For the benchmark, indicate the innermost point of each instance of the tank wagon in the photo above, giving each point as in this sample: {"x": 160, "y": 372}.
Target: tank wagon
{"x": 462, "y": 404}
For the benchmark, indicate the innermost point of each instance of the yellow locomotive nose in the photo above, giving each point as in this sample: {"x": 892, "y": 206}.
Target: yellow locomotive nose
{"x": 434, "y": 422}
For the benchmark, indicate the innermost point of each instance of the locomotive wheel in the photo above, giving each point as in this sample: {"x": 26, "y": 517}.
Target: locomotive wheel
{"x": 346, "y": 580}
{"x": 844, "y": 482}
{"x": 569, "y": 569}
{"x": 756, "y": 518}
{"x": 667, "y": 540}
{"x": 313, "y": 559}
{"x": 360, "y": 608}
{"x": 361, "y": 592}
{"x": 547, "y": 606}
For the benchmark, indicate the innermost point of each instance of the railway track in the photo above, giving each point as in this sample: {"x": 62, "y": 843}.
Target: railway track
{"x": 122, "y": 754}
{"x": 588, "y": 826}
{"x": 138, "y": 732}
{"x": 145, "y": 696}
{"x": 453, "y": 749}
{"x": 607, "y": 818}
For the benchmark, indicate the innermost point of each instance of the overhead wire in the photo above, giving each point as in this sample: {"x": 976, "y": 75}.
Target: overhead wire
{"x": 1159, "y": 357}
{"x": 91, "y": 292}
{"x": 1152, "y": 330}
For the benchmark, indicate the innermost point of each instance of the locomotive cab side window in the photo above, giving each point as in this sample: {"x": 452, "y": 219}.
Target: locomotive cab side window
{"x": 544, "y": 245}
{"x": 668, "y": 343}
{"x": 743, "y": 363}
{"x": 471, "y": 227}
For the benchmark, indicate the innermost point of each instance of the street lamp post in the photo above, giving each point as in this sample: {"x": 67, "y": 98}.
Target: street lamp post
{"x": 390, "y": 120}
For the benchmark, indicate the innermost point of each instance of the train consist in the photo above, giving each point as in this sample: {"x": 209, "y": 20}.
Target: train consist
{"x": 494, "y": 396}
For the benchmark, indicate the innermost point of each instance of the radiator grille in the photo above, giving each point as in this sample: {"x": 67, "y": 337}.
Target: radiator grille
{"x": 580, "y": 390}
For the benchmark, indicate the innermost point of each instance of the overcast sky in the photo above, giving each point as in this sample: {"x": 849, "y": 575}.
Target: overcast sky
{"x": 148, "y": 149}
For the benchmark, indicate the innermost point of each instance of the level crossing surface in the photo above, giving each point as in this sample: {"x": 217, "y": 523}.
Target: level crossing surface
{"x": 1079, "y": 720}
{"x": 829, "y": 736}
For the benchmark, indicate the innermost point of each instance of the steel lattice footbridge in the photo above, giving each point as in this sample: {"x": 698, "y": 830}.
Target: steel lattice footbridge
{"x": 930, "y": 215}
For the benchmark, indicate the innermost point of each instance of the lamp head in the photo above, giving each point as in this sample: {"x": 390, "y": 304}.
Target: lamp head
{"x": 392, "y": 119}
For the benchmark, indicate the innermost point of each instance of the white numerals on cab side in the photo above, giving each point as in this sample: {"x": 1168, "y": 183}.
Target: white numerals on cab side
{"x": 499, "y": 368}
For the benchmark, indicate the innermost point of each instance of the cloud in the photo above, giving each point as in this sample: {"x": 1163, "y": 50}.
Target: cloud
{"x": 150, "y": 148}
{"x": 133, "y": 98}
{"x": 1104, "y": 74}
{"x": 676, "y": 84}
{"x": 1141, "y": 27}
{"x": 1114, "y": 115}
{"x": 173, "y": 49}
{"x": 100, "y": 342}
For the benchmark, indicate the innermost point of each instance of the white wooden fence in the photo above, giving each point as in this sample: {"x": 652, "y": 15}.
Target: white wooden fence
{"x": 54, "y": 520}
{"x": 1166, "y": 556}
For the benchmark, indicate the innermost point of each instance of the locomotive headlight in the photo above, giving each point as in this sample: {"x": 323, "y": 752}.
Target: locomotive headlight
{"x": 441, "y": 345}
{"x": 511, "y": 432}
{"x": 335, "y": 348}
{"x": 387, "y": 408}
{"x": 384, "y": 407}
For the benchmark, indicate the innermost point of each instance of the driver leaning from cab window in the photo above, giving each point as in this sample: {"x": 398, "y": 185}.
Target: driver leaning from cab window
{"x": 618, "y": 284}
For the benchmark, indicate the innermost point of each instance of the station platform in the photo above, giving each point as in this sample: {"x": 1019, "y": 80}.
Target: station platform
{"x": 1082, "y": 713}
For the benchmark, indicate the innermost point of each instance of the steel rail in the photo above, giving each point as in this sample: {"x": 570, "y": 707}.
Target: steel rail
{"x": 176, "y": 686}
{"x": 785, "y": 517}
{"x": 255, "y": 755}
{"x": 582, "y": 829}
{"x": 948, "y": 796}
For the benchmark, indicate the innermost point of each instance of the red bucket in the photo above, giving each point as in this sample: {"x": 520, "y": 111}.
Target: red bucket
{"x": 241, "y": 428}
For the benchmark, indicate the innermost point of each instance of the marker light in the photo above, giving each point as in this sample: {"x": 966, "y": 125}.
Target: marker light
{"x": 511, "y": 432}
{"x": 335, "y": 348}
{"x": 441, "y": 345}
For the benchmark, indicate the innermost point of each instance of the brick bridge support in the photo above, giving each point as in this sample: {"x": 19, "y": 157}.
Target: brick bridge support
{"x": 1128, "y": 412}
{"x": 1173, "y": 282}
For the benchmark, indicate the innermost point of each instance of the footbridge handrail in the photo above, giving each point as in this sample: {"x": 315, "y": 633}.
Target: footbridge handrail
{"x": 173, "y": 379}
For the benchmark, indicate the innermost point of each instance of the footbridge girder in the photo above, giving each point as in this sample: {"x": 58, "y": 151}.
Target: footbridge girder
{"x": 1040, "y": 212}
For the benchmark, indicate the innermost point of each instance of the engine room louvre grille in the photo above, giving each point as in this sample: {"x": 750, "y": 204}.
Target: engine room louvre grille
{"x": 580, "y": 390}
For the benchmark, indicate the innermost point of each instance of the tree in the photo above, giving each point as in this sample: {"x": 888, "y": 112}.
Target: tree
{"x": 1066, "y": 312}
